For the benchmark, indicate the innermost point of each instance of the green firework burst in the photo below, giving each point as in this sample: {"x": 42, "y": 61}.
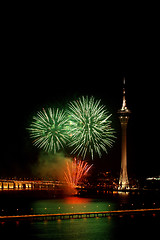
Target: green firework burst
{"x": 48, "y": 129}
{"x": 90, "y": 128}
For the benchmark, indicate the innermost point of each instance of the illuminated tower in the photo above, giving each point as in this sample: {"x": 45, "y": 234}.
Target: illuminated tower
{"x": 124, "y": 113}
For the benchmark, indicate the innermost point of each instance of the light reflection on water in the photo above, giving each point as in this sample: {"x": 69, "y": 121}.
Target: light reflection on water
{"x": 109, "y": 228}
{"x": 83, "y": 229}
{"x": 72, "y": 204}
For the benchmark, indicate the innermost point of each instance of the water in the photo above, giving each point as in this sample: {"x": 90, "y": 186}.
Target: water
{"x": 110, "y": 228}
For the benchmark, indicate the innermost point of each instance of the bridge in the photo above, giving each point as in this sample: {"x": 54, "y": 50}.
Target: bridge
{"x": 6, "y": 184}
{"x": 80, "y": 215}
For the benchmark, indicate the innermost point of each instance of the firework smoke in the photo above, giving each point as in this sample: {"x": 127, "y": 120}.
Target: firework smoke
{"x": 50, "y": 165}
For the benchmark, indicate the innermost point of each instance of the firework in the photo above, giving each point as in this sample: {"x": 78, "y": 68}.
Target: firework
{"x": 75, "y": 170}
{"x": 90, "y": 128}
{"x": 49, "y": 129}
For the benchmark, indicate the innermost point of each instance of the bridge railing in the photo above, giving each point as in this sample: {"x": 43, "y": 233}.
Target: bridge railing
{"x": 79, "y": 215}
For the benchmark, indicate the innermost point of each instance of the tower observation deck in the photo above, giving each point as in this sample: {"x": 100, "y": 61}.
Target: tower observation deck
{"x": 124, "y": 114}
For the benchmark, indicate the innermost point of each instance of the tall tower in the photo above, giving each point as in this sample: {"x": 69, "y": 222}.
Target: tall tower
{"x": 124, "y": 113}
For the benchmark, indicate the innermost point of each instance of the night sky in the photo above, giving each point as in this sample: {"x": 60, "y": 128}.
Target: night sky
{"x": 48, "y": 65}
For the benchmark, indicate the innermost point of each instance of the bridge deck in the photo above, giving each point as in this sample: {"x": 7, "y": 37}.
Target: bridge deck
{"x": 62, "y": 216}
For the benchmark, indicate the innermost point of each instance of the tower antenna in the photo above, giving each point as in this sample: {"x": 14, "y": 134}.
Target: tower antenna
{"x": 124, "y": 81}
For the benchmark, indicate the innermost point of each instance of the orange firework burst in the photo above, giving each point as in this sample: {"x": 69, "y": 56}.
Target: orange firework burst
{"x": 75, "y": 170}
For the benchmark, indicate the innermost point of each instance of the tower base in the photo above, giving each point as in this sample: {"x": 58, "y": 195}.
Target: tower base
{"x": 123, "y": 180}
{"x": 123, "y": 186}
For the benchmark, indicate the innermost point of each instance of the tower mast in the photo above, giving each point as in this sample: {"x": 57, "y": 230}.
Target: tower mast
{"x": 124, "y": 113}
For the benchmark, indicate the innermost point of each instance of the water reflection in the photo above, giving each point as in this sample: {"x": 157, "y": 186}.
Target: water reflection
{"x": 76, "y": 200}
{"x": 12, "y": 204}
{"x": 72, "y": 204}
{"x": 110, "y": 228}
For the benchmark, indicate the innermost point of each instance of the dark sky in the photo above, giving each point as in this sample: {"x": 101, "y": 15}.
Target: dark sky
{"x": 47, "y": 65}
